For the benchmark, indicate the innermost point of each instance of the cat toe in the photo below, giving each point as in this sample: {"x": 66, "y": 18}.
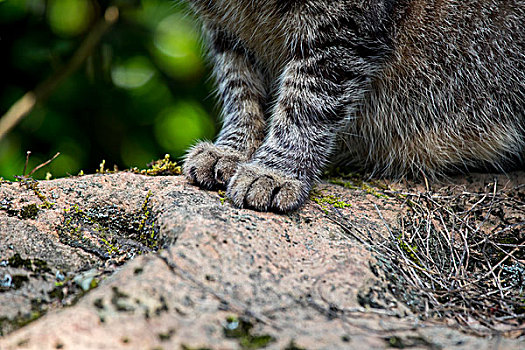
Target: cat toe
{"x": 225, "y": 169}
{"x": 211, "y": 166}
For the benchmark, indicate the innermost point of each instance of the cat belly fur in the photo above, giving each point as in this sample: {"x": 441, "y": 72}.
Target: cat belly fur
{"x": 451, "y": 97}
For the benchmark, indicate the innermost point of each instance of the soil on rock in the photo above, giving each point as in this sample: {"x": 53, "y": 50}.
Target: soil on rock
{"x": 112, "y": 261}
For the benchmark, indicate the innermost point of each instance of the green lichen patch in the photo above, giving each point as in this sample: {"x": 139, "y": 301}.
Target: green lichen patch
{"x": 409, "y": 250}
{"x": 241, "y": 329}
{"x": 33, "y": 278}
{"x": 161, "y": 167}
{"x": 108, "y": 232}
{"x": 148, "y": 235}
{"x": 328, "y": 201}
{"x": 222, "y": 196}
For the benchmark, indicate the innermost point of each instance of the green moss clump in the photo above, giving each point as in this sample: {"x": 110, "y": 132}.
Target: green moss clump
{"x": 222, "y": 196}
{"x": 34, "y": 265}
{"x": 328, "y": 201}
{"x": 148, "y": 235}
{"x": 395, "y": 342}
{"x": 33, "y": 185}
{"x": 108, "y": 231}
{"x": 355, "y": 183}
{"x": 29, "y": 211}
{"x": 23, "y": 321}
{"x": 82, "y": 230}
{"x": 161, "y": 167}
{"x": 101, "y": 168}
{"x": 255, "y": 341}
{"x": 20, "y": 321}
{"x": 409, "y": 250}
{"x": 17, "y": 261}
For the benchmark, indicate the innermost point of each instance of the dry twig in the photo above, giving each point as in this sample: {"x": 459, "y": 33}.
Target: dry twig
{"x": 457, "y": 256}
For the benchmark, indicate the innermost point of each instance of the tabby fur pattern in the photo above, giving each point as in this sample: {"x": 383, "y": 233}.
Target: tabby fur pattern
{"x": 399, "y": 87}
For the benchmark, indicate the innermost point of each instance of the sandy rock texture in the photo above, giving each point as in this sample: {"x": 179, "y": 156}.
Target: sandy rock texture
{"x": 125, "y": 261}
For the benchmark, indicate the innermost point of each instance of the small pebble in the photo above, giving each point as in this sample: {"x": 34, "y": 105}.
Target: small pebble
{"x": 6, "y": 281}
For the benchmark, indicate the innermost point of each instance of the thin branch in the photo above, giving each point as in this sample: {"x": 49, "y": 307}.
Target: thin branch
{"x": 43, "y": 164}
{"x": 26, "y": 103}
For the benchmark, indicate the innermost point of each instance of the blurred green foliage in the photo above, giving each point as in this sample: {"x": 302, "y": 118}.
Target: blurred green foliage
{"x": 142, "y": 93}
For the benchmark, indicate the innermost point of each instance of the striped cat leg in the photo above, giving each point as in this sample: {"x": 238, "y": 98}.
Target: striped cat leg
{"x": 242, "y": 92}
{"x": 302, "y": 133}
{"x": 325, "y": 79}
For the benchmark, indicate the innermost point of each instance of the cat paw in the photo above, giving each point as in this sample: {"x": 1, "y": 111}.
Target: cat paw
{"x": 264, "y": 189}
{"x": 211, "y": 166}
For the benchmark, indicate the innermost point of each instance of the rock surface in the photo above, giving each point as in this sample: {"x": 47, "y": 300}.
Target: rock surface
{"x": 124, "y": 261}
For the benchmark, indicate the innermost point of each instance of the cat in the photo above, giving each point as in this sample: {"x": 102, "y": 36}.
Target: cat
{"x": 399, "y": 87}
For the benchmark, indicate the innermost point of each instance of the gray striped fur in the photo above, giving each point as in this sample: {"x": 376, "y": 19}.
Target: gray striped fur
{"x": 399, "y": 87}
